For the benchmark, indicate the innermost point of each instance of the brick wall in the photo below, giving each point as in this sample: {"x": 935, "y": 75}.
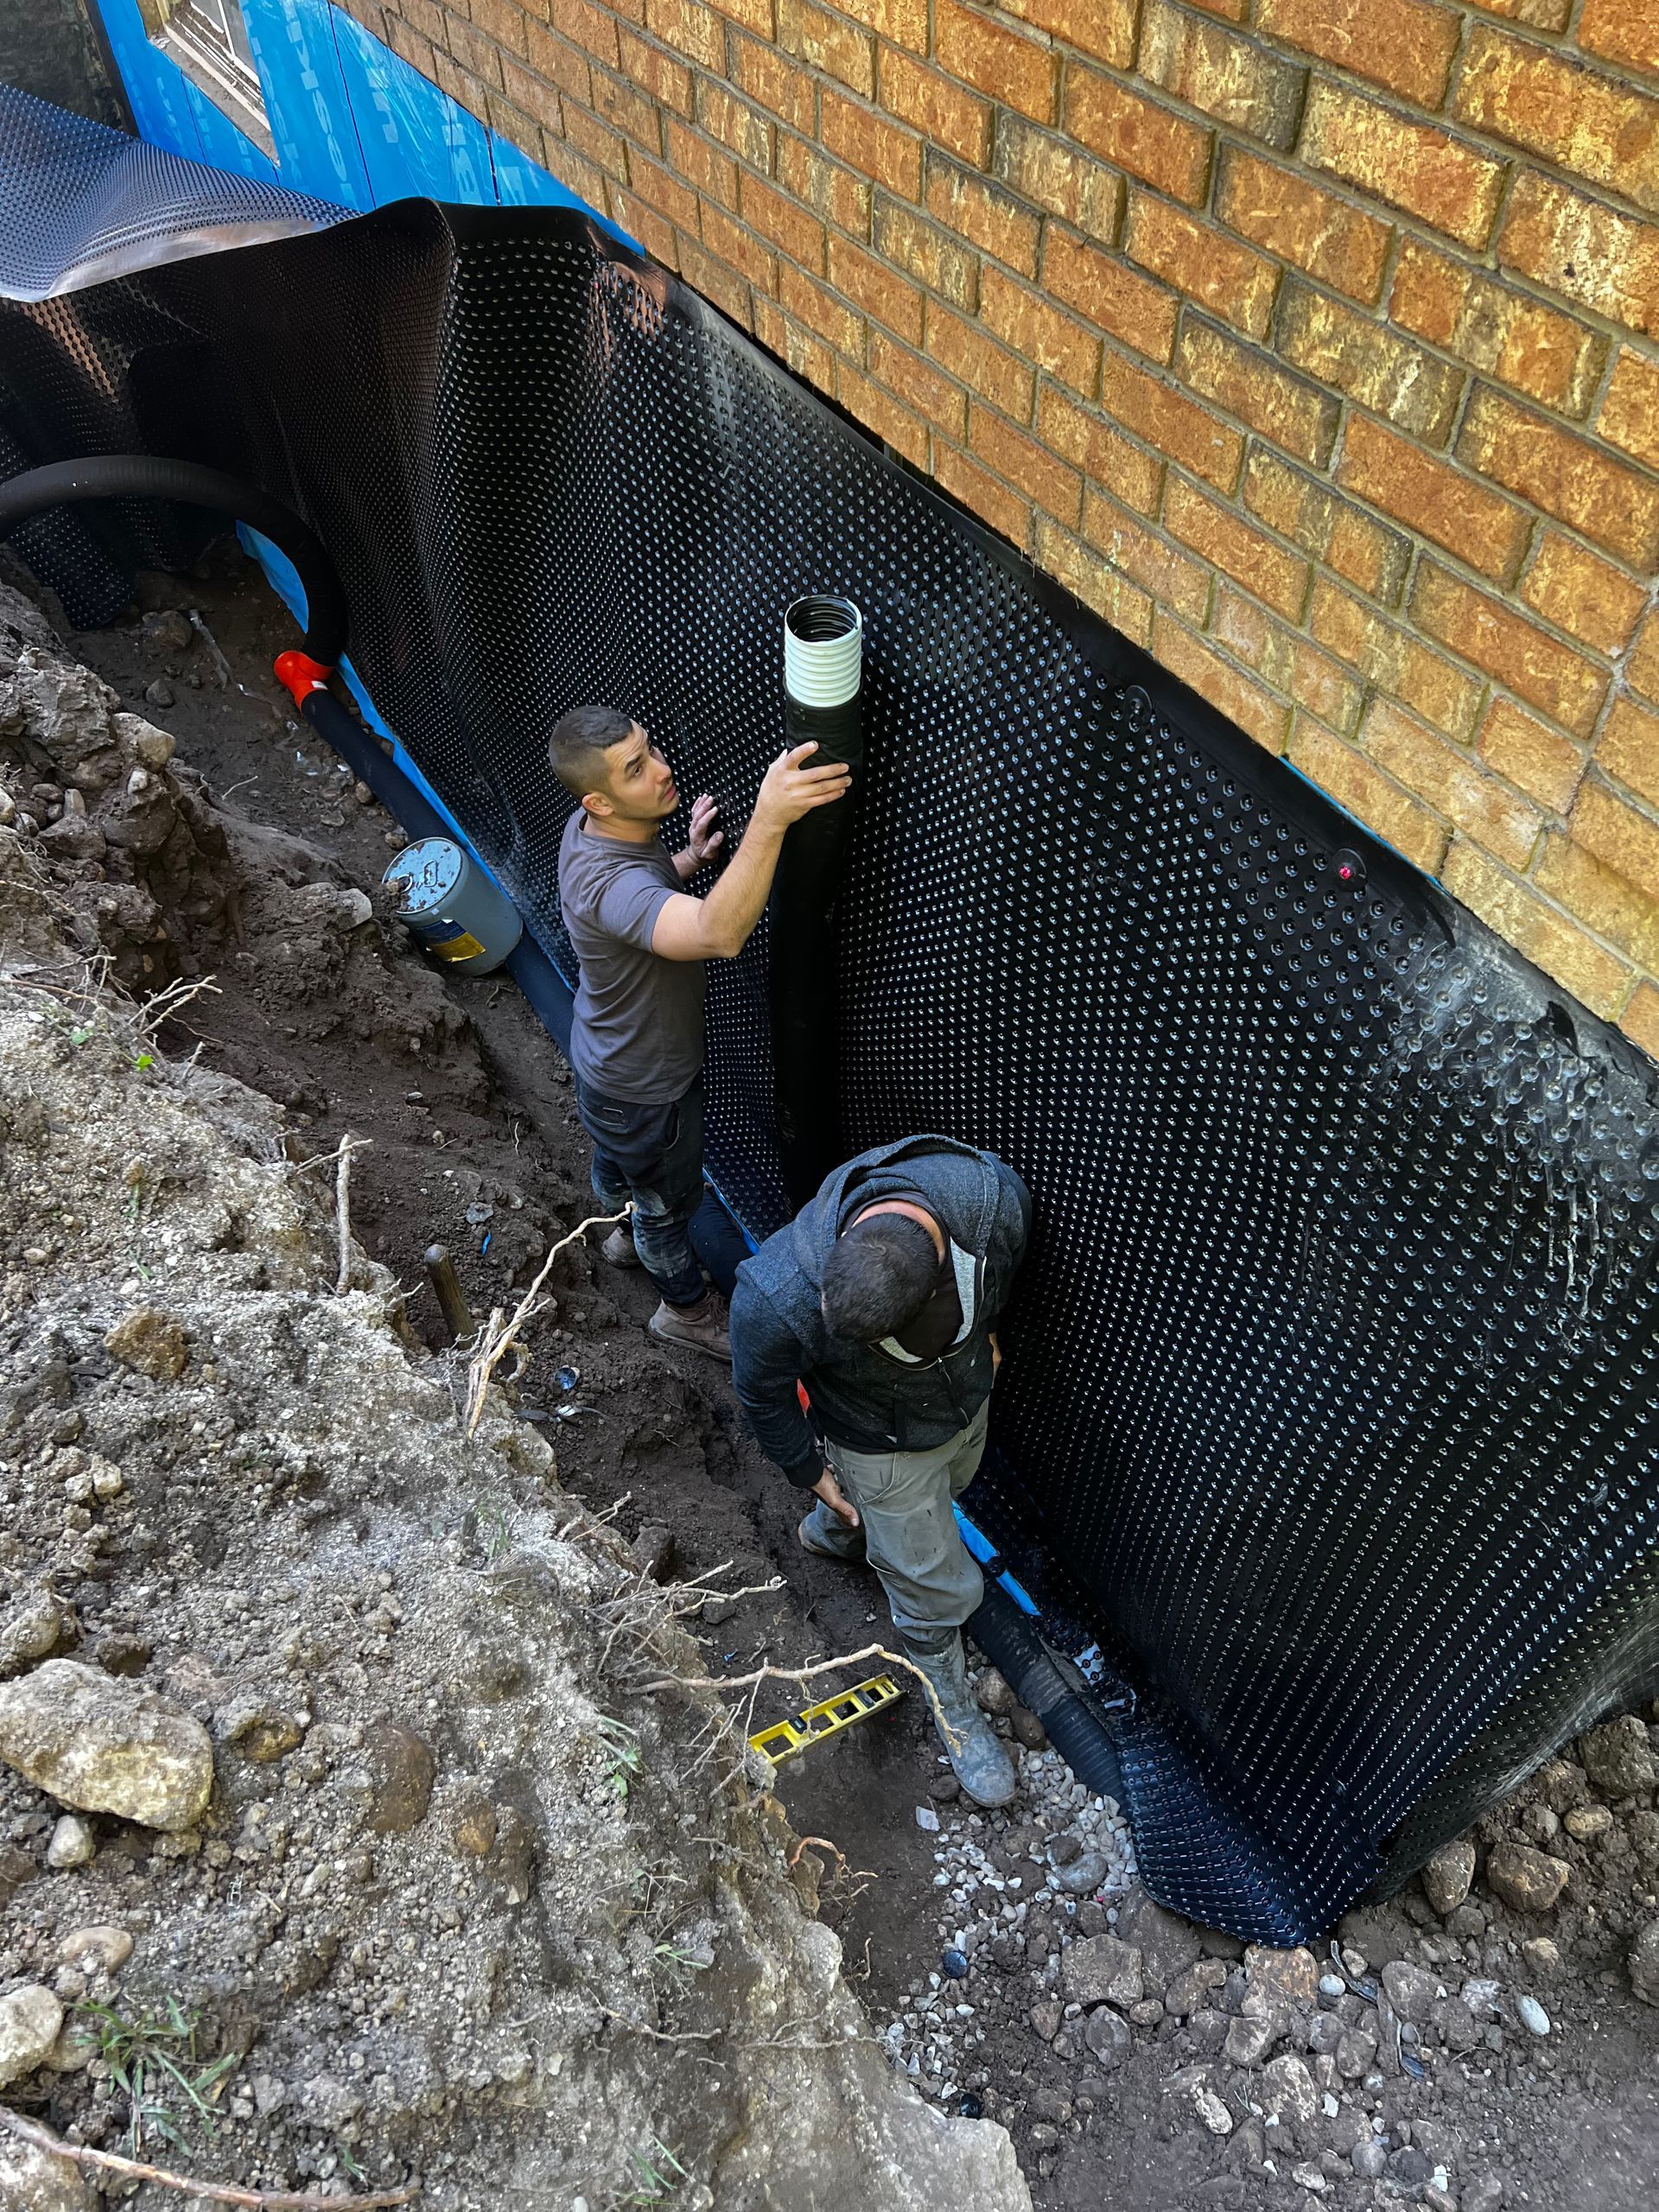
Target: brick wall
{"x": 1315, "y": 343}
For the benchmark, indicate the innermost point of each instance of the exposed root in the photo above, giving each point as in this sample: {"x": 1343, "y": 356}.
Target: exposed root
{"x": 263, "y": 2200}
{"x": 501, "y": 1335}
{"x": 770, "y": 1674}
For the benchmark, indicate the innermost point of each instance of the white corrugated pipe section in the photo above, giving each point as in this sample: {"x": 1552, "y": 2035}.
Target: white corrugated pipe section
{"x": 824, "y": 652}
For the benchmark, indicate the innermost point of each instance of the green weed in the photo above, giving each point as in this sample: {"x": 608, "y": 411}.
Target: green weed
{"x": 153, "y": 2060}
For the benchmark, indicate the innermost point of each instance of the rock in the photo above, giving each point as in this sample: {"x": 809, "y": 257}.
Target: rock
{"x": 1446, "y": 1878}
{"x": 1526, "y": 1881}
{"x": 29, "y": 2020}
{"x": 1454, "y": 2024}
{"x": 1308, "y": 2176}
{"x": 1085, "y": 1875}
{"x": 104, "y": 1746}
{"x": 1248, "y": 2041}
{"x": 1045, "y": 2016}
{"x": 1103, "y": 1970}
{"x": 1147, "y": 2013}
{"x": 1618, "y": 1757}
{"x": 1167, "y": 1943}
{"x": 72, "y": 1844}
{"x": 1186, "y": 1993}
{"x": 35, "y": 1629}
{"x": 654, "y": 1552}
{"x": 401, "y": 1772}
{"x": 993, "y": 1692}
{"x": 1027, "y": 1729}
{"x": 169, "y": 631}
{"x": 1207, "y": 2031}
{"x": 1212, "y": 2113}
{"x": 943, "y": 1789}
{"x": 1324, "y": 2032}
{"x": 1288, "y": 2090}
{"x": 1584, "y": 1823}
{"x": 1484, "y": 2194}
{"x": 41, "y": 2181}
{"x": 101, "y": 1948}
{"x": 1356, "y": 2055}
{"x": 123, "y": 1655}
{"x": 159, "y": 693}
{"x": 1542, "y": 1957}
{"x": 1108, "y": 2037}
{"x": 1065, "y": 1846}
{"x": 264, "y": 1725}
{"x": 1191, "y": 2086}
{"x": 1370, "y": 2159}
{"x": 1532, "y": 2016}
{"x": 151, "y": 1341}
{"x": 1294, "y": 1975}
{"x": 1409, "y": 2165}
{"x": 1643, "y": 1963}
{"x": 1412, "y": 1990}
{"x": 475, "y": 1828}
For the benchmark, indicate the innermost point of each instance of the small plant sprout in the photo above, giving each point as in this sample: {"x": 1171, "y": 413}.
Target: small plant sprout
{"x": 153, "y": 2060}
{"x": 655, "y": 2185}
{"x": 620, "y": 1748}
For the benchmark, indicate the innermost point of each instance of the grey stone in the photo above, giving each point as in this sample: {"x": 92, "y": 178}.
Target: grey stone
{"x": 1208, "y": 2031}
{"x": 1532, "y": 2015}
{"x": 169, "y": 630}
{"x": 1643, "y": 1963}
{"x": 1248, "y": 2041}
{"x": 72, "y": 1844}
{"x": 1189, "y": 1991}
{"x": 1325, "y": 2033}
{"x": 993, "y": 1694}
{"x": 40, "y": 2180}
{"x": 1446, "y": 1877}
{"x": 1103, "y": 1970}
{"x": 1454, "y": 2023}
{"x": 1412, "y": 1990}
{"x": 1108, "y": 2037}
{"x": 1167, "y": 1943}
{"x": 1045, "y": 2016}
{"x": 1525, "y": 1880}
{"x": 1084, "y": 1876}
{"x": 654, "y": 1552}
{"x": 29, "y": 2020}
{"x": 160, "y": 693}
{"x": 1484, "y": 2194}
{"x": 1410, "y": 2165}
{"x": 105, "y": 1745}
{"x": 1288, "y": 2089}
{"x": 1356, "y": 2055}
{"x": 1618, "y": 1758}
{"x": 1370, "y": 2159}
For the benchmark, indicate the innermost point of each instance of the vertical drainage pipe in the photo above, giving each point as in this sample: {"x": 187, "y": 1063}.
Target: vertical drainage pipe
{"x": 824, "y": 668}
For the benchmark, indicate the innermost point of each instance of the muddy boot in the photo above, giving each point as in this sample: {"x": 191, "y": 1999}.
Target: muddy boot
{"x": 701, "y": 1326}
{"x": 977, "y": 1757}
{"x": 618, "y": 1248}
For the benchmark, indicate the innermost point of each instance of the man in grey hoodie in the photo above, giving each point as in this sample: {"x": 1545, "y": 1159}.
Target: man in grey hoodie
{"x": 880, "y": 1298}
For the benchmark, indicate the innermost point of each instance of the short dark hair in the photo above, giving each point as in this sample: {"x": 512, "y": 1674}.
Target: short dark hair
{"x": 878, "y": 1276}
{"x": 580, "y": 742}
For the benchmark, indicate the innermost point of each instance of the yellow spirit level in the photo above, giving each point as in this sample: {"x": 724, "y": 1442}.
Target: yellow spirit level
{"x": 784, "y": 1738}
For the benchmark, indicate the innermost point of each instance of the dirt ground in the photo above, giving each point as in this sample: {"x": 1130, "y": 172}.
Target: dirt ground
{"x": 1173, "y": 2103}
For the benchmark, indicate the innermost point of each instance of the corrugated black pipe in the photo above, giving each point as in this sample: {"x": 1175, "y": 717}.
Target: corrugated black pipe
{"x": 823, "y": 676}
{"x": 1009, "y": 1640}
{"x": 141, "y": 476}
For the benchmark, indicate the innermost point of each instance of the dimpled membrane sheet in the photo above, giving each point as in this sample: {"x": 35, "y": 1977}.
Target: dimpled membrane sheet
{"x": 1331, "y": 1380}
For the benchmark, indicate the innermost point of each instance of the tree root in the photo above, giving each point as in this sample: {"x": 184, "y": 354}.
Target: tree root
{"x": 263, "y": 2200}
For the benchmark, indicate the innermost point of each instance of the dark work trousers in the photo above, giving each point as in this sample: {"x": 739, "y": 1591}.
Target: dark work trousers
{"x": 653, "y": 1154}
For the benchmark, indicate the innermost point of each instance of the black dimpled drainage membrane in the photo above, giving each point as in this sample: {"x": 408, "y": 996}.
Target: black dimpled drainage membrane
{"x": 1331, "y": 1380}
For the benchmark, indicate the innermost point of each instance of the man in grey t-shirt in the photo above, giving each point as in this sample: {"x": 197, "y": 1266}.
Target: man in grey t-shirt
{"x": 636, "y": 1040}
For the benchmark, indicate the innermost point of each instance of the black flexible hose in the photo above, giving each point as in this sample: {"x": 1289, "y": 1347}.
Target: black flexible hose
{"x": 142, "y": 476}
{"x": 1009, "y": 1639}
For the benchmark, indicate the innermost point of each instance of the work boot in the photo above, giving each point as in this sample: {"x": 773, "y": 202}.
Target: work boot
{"x": 701, "y": 1326}
{"x": 976, "y": 1754}
{"x": 618, "y": 1248}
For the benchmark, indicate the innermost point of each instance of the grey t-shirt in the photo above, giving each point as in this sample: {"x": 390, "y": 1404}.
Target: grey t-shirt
{"x": 638, "y": 1029}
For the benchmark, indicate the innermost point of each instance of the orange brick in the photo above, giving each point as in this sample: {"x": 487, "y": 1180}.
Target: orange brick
{"x": 716, "y": 280}
{"x": 1203, "y": 262}
{"x": 1505, "y": 826}
{"x": 1437, "y": 501}
{"x": 1402, "y": 45}
{"x": 1285, "y": 662}
{"x": 822, "y": 312}
{"x": 1532, "y": 757}
{"x": 738, "y": 249}
{"x": 842, "y": 50}
{"x": 807, "y": 356}
{"x": 739, "y": 127}
{"x": 981, "y": 492}
{"x": 1109, "y": 294}
{"x": 559, "y": 62}
{"x": 780, "y": 219}
{"x": 1539, "y": 14}
{"x": 1241, "y": 85}
{"x": 1411, "y": 165}
{"x": 1643, "y": 666}
{"x": 1626, "y": 31}
{"x": 1620, "y": 837}
{"x": 1549, "y": 675}
{"x": 1250, "y": 385}
{"x": 1368, "y": 553}
{"x": 690, "y": 28}
{"x": 1367, "y": 362}
{"x": 1540, "y": 931}
{"x": 1025, "y": 321}
{"x": 667, "y": 80}
{"x": 1170, "y": 577}
{"x": 833, "y": 192}
{"x": 660, "y": 189}
{"x": 778, "y": 85}
{"x": 1176, "y": 426}
{"x": 919, "y": 385}
{"x": 1017, "y": 71}
{"x": 541, "y": 100}
{"x": 1247, "y": 554}
{"x": 480, "y": 57}
{"x": 578, "y": 174}
{"x": 1503, "y": 332}
{"x": 1302, "y": 222}
{"x": 1053, "y": 484}
{"x": 872, "y": 145}
{"x": 1577, "y": 591}
{"x": 713, "y": 173}
{"x": 1239, "y": 697}
{"x": 1563, "y": 475}
{"x": 1138, "y": 134}
{"x": 656, "y": 236}
{"x": 880, "y": 412}
{"x": 504, "y": 22}
{"x": 1607, "y": 261}
{"x": 1398, "y": 818}
{"x": 1424, "y": 680}
{"x": 1095, "y": 582}
{"x": 881, "y": 291}
{"x": 997, "y": 375}
{"x": 904, "y": 21}
{"x": 1630, "y": 413}
{"x": 1600, "y": 896}
{"x": 984, "y": 214}
{"x": 1555, "y": 108}
{"x": 1629, "y": 749}
{"x": 1052, "y": 174}
{"x": 944, "y": 112}
{"x": 628, "y": 111}
{"x": 584, "y": 25}
{"x": 1103, "y": 454}
{"x": 517, "y": 129}
{"x": 932, "y": 256}
{"x": 1640, "y": 1019}
{"x": 755, "y": 16}
{"x": 603, "y": 147}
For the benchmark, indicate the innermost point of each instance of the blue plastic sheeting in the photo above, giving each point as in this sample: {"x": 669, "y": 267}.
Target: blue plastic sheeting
{"x": 306, "y": 106}
{"x": 414, "y": 139}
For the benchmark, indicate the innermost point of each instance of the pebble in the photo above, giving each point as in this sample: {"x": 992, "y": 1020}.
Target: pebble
{"x": 160, "y": 693}
{"x": 98, "y": 1949}
{"x": 29, "y": 2020}
{"x": 1446, "y": 1877}
{"x": 1085, "y": 1875}
{"x": 1370, "y": 2160}
{"x": 1533, "y": 2016}
{"x": 72, "y": 1844}
{"x": 993, "y": 1694}
{"x": 1526, "y": 1881}
{"x": 1586, "y": 1822}
{"x": 1331, "y": 1985}
{"x": 954, "y": 1964}
{"x": 928, "y": 1819}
